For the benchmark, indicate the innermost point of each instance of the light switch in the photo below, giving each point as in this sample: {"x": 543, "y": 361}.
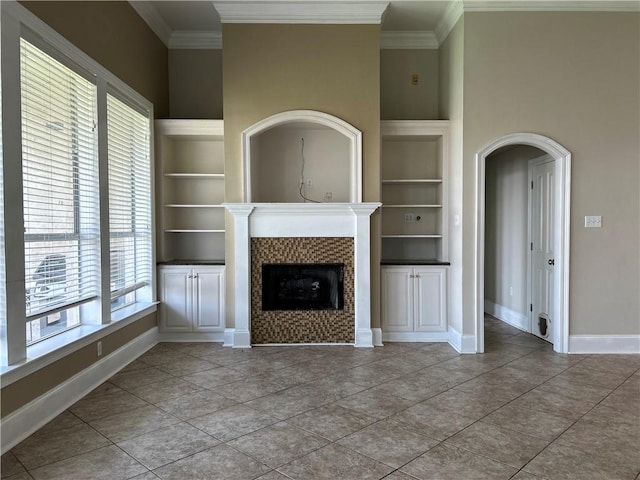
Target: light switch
{"x": 592, "y": 221}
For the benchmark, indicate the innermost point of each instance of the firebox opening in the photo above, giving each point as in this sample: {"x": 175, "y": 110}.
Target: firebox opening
{"x": 302, "y": 286}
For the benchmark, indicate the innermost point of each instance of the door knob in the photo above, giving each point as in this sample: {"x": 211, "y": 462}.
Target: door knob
{"x": 551, "y": 261}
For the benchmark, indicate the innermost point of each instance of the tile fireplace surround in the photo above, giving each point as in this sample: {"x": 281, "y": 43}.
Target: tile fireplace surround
{"x": 302, "y": 220}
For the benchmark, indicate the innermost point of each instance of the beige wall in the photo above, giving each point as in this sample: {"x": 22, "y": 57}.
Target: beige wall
{"x": 399, "y": 99}
{"x": 450, "y": 105}
{"x": 573, "y": 77}
{"x": 278, "y": 162}
{"x": 195, "y": 83}
{"x": 274, "y": 68}
{"x": 32, "y": 386}
{"x": 113, "y": 34}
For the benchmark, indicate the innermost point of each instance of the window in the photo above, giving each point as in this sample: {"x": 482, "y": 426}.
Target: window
{"x": 129, "y": 202}
{"x": 60, "y": 192}
{"x": 76, "y": 237}
{"x": 3, "y": 278}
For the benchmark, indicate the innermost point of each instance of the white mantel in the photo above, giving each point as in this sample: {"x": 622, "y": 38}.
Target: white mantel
{"x": 301, "y": 220}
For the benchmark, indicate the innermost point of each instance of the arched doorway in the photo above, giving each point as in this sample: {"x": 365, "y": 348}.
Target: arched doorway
{"x": 561, "y": 207}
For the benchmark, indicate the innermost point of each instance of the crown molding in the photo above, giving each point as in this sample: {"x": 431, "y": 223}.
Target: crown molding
{"x": 449, "y": 19}
{"x": 150, "y": 15}
{"x": 301, "y": 11}
{"x": 551, "y": 6}
{"x": 423, "y": 40}
{"x": 188, "y": 40}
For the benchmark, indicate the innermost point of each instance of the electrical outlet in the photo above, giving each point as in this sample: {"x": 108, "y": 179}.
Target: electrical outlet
{"x": 409, "y": 217}
{"x": 415, "y": 79}
{"x": 593, "y": 221}
{"x": 309, "y": 183}
{"x": 99, "y": 348}
{"x": 328, "y": 196}
{"x": 511, "y": 291}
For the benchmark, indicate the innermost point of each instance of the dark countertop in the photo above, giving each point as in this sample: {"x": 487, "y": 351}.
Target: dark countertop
{"x": 414, "y": 262}
{"x": 191, "y": 262}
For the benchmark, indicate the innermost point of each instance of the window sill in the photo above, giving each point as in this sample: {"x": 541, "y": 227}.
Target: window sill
{"x": 44, "y": 353}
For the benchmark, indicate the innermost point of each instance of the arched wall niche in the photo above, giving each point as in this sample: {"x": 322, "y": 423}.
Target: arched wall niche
{"x": 272, "y": 153}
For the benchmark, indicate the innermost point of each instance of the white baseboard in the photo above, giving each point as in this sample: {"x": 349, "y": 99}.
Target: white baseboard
{"x": 462, "y": 343}
{"x": 218, "y": 337}
{"x": 21, "y": 423}
{"x": 228, "y": 337}
{"x": 415, "y": 336}
{"x": 377, "y": 337}
{"x": 627, "y": 344}
{"x": 513, "y": 318}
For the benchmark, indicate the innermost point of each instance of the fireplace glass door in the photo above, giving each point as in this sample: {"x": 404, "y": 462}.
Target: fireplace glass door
{"x": 305, "y": 286}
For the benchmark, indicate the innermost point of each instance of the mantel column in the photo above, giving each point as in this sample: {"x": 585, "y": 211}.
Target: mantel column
{"x": 242, "y": 258}
{"x": 362, "y": 267}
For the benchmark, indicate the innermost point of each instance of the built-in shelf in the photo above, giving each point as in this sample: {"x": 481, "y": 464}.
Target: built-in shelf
{"x": 414, "y": 190}
{"x": 412, "y": 180}
{"x": 183, "y": 205}
{"x": 190, "y": 188}
{"x": 412, "y": 236}
{"x": 180, "y": 230}
{"x": 195, "y": 175}
{"x": 412, "y": 206}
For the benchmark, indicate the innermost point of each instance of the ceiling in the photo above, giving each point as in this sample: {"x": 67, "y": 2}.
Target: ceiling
{"x": 400, "y": 15}
{"x": 179, "y": 18}
{"x": 405, "y": 23}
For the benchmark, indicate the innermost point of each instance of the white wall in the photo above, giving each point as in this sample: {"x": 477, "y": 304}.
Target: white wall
{"x": 326, "y": 159}
{"x": 506, "y": 227}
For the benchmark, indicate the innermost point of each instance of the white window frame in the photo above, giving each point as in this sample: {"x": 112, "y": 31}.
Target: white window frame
{"x": 96, "y": 317}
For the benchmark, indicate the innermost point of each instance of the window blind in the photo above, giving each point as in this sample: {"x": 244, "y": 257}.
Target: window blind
{"x": 3, "y": 277}
{"x": 129, "y": 200}
{"x": 60, "y": 184}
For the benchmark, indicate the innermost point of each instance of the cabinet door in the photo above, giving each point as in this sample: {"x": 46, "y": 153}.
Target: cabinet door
{"x": 430, "y": 295}
{"x": 208, "y": 299}
{"x": 397, "y": 306}
{"x": 175, "y": 286}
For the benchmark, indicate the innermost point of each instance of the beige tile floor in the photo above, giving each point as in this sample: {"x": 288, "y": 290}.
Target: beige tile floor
{"x": 405, "y": 411}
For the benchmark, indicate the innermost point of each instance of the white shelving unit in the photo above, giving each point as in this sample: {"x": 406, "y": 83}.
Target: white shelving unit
{"x": 190, "y": 190}
{"x": 414, "y": 190}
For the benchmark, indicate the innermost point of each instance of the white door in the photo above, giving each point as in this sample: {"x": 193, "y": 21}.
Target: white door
{"x": 207, "y": 299}
{"x": 430, "y": 299}
{"x": 175, "y": 297}
{"x": 542, "y": 255}
{"x": 397, "y": 303}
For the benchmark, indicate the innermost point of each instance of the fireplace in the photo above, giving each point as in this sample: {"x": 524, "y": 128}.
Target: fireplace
{"x": 309, "y": 233}
{"x": 288, "y": 268}
{"x": 302, "y": 286}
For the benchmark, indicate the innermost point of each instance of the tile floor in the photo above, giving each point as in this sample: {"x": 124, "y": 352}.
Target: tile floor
{"x": 405, "y": 411}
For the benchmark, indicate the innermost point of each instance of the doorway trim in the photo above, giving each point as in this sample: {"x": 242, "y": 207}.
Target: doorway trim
{"x": 562, "y": 159}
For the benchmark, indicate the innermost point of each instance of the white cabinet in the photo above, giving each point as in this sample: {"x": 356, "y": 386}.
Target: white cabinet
{"x": 190, "y": 189}
{"x": 192, "y": 299}
{"x": 414, "y": 164}
{"x": 414, "y": 303}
